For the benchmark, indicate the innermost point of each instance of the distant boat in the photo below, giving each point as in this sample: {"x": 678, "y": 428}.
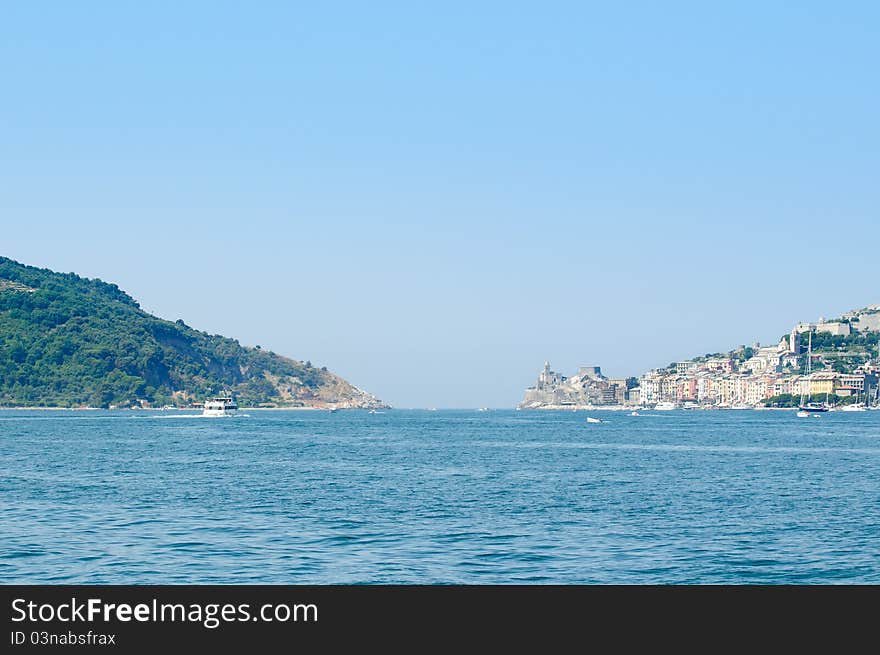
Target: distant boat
{"x": 483, "y": 409}
{"x": 857, "y": 406}
{"x": 220, "y": 406}
{"x": 591, "y": 419}
{"x": 634, "y": 414}
{"x": 665, "y": 406}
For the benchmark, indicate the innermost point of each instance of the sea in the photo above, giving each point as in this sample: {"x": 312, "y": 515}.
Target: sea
{"x": 439, "y": 497}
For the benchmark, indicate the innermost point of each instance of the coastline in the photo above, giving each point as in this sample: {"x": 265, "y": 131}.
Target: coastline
{"x": 546, "y": 408}
{"x": 176, "y": 409}
{"x": 640, "y": 408}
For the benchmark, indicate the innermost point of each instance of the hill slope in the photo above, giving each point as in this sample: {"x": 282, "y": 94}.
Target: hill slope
{"x": 68, "y": 341}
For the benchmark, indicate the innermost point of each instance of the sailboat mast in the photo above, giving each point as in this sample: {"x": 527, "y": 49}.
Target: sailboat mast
{"x": 809, "y": 367}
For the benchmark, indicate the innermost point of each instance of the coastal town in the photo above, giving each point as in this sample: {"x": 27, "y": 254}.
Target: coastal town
{"x": 836, "y": 361}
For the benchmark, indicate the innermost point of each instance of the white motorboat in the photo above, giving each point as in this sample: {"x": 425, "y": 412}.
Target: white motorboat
{"x": 665, "y": 406}
{"x": 591, "y": 419}
{"x": 220, "y": 406}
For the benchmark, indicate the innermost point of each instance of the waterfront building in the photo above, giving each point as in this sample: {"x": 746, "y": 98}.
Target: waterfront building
{"x": 649, "y": 388}
{"x": 620, "y": 387}
{"x": 787, "y": 385}
{"x": 634, "y": 396}
{"x": 800, "y": 386}
{"x": 822, "y": 383}
{"x": 686, "y": 389}
{"x": 851, "y": 381}
{"x": 758, "y": 389}
{"x": 669, "y": 389}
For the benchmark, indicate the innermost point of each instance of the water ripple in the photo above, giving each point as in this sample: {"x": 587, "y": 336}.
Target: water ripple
{"x": 438, "y": 497}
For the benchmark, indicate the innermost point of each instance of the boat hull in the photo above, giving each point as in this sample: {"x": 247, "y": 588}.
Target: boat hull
{"x": 854, "y": 408}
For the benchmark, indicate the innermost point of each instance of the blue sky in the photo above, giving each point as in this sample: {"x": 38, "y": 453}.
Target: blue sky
{"x": 432, "y": 199}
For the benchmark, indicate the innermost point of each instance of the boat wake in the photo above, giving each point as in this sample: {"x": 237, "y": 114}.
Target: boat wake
{"x": 179, "y": 416}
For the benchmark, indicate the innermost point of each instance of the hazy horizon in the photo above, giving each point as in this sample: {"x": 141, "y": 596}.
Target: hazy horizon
{"x": 433, "y": 202}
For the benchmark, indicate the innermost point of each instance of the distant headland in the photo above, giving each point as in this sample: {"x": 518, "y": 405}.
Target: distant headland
{"x": 68, "y": 341}
{"x": 844, "y": 367}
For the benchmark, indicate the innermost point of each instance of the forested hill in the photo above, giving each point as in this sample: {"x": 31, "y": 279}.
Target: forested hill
{"x": 68, "y": 341}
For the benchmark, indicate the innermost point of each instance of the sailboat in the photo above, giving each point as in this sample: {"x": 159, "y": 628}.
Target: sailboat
{"x": 805, "y": 408}
{"x": 857, "y": 406}
{"x": 874, "y": 404}
{"x": 832, "y": 407}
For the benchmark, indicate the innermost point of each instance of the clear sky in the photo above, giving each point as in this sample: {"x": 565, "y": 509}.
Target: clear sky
{"x": 433, "y": 198}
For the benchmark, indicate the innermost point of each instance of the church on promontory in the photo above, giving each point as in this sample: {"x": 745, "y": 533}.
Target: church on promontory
{"x": 587, "y": 388}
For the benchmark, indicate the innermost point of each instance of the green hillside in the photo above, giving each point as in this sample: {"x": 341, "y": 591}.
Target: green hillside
{"x": 68, "y": 341}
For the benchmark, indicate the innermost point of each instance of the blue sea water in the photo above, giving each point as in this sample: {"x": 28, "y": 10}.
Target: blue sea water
{"x": 439, "y": 497}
